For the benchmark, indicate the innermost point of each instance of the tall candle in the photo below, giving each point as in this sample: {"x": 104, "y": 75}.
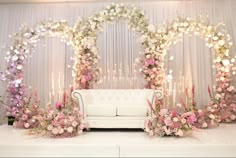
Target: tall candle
{"x": 174, "y": 94}
{"x": 127, "y": 71}
{"x": 50, "y": 97}
{"x": 59, "y": 85}
{"x": 53, "y": 89}
{"x": 59, "y": 81}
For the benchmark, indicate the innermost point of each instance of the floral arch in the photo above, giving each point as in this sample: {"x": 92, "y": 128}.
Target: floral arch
{"x": 216, "y": 39}
{"x": 23, "y": 44}
{"x": 88, "y": 51}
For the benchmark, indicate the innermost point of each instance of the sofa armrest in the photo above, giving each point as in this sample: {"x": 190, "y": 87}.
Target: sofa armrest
{"x": 77, "y": 96}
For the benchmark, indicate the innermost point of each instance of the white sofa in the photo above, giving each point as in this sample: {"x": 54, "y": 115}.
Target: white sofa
{"x": 114, "y": 108}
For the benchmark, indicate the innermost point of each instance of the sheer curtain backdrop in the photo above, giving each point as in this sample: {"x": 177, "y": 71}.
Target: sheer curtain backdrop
{"x": 118, "y": 46}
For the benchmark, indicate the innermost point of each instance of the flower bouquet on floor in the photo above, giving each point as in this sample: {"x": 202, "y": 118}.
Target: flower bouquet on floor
{"x": 206, "y": 117}
{"x": 25, "y": 116}
{"x": 64, "y": 119}
{"x": 167, "y": 122}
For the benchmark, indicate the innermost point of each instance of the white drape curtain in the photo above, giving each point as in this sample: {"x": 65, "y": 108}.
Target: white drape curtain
{"x": 118, "y": 46}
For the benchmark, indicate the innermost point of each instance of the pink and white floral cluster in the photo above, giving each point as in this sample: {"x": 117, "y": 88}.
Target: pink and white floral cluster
{"x": 225, "y": 96}
{"x": 166, "y": 122}
{"x": 206, "y": 117}
{"x": 23, "y": 43}
{"x": 152, "y": 68}
{"x": 156, "y": 47}
{"x": 86, "y": 70}
{"x": 64, "y": 119}
{"x": 26, "y": 116}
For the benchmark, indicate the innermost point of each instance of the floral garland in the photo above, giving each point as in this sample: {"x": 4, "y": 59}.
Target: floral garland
{"x": 64, "y": 119}
{"x": 163, "y": 38}
{"x": 167, "y": 122}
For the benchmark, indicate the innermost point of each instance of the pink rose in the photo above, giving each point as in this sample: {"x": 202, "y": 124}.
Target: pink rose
{"x": 70, "y": 129}
{"x": 60, "y": 116}
{"x": 168, "y": 121}
{"x": 26, "y": 125}
{"x": 54, "y": 123}
{"x": 149, "y": 61}
{"x": 192, "y": 118}
{"x": 24, "y": 117}
{"x": 88, "y": 77}
{"x": 59, "y": 105}
{"x": 55, "y": 131}
{"x": 163, "y": 112}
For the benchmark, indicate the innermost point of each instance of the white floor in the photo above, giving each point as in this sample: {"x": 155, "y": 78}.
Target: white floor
{"x": 218, "y": 142}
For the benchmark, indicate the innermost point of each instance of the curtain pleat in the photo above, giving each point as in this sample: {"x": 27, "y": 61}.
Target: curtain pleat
{"x": 118, "y": 46}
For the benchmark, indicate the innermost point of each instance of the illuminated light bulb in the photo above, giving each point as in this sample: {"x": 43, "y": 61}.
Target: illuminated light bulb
{"x": 226, "y": 53}
{"x": 221, "y": 42}
{"x": 169, "y": 77}
{"x": 218, "y": 59}
{"x": 225, "y": 62}
{"x": 170, "y": 71}
{"x": 230, "y": 43}
{"x": 215, "y": 38}
{"x": 234, "y": 72}
{"x": 210, "y": 45}
{"x": 226, "y": 69}
{"x": 222, "y": 78}
{"x": 233, "y": 60}
{"x": 171, "y": 58}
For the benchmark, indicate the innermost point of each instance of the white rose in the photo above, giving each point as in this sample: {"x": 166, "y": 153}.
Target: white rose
{"x": 55, "y": 131}
{"x": 218, "y": 96}
{"x": 215, "y": 105}
{"x": 74, "y": 123}
{"x": 175, "y": 119}
{"x": 50, "y": 127}
{"x": 61, "y": 131}
{"x": 26, "y": 125}
{"x": 232, "y": 117}
{"x": 70, "y": 129}
{"x": 204, "y": 125}
{"x": 80, "y": 132}
{"x": 211, "y": 116}
{"x": 148, "y": 56}
{"x": 183, "y": 121}
{"x": 179, "y": 133}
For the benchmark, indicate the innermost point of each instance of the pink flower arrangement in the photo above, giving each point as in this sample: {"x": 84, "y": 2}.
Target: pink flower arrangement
{"x": 149, "y": 61}
{"x": 58, "y": 105}
{"x": 62, "y": 120}
{"x": 206, "y": 117}
{"x": 166, "y": 122}
{"x": 87, "y": 74}
{"x": 26, "y": 116}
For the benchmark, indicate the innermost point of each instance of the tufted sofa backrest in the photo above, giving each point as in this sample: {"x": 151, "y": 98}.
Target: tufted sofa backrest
{"x": 114, "y": 96}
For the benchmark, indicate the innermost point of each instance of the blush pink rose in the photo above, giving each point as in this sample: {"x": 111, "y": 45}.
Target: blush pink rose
{"x": 149, "y": 61}
{"x": 58, "y": 105}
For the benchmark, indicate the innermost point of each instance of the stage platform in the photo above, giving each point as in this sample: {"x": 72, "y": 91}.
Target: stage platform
{"x": 217, "y": 142}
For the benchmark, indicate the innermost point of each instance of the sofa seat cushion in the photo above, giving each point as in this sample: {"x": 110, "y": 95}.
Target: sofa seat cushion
{"x": 129, "y": 110}
{"x": 101, "y": 110}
